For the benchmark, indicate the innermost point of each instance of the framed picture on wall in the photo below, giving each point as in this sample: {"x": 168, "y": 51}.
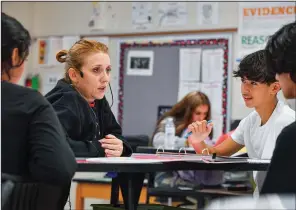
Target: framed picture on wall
{"x": 140, "y": 63}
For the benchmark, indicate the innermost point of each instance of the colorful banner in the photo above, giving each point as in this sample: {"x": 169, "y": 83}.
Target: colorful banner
{"x": 264, "y": 17}
{"x": 259, "y": 20}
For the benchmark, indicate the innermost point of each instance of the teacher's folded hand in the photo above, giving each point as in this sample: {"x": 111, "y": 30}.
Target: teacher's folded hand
{"x": 112, "y": 145}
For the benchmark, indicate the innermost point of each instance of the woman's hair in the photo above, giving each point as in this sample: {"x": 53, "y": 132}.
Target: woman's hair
{"x": 183, "y": 110}
{"x": 13, "y": 35}
{"x": 74, "y": 58}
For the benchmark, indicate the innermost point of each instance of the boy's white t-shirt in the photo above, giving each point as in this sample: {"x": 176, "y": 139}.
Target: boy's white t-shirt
{"x": 260, "y": 140}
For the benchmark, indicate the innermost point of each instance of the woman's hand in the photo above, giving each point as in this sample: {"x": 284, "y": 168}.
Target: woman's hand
{"x": 112, "y": 145}
{"x": 200, "y": 131}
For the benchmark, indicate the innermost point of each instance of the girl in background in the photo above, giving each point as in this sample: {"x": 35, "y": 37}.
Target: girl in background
{"x": 194, "y": 106}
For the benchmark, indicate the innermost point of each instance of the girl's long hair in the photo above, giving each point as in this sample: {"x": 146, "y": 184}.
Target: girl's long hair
{"x": 183, "y": 110}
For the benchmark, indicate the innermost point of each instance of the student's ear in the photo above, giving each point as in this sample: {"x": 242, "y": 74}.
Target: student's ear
{"x": 275, "y": 87}
{"x": 73, "y": 74}
{"x": 15, "y": 59}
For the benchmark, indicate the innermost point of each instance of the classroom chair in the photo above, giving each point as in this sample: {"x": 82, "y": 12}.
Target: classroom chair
{"x": 202, "y": 195}
{"x": 20, "y": 194}
{"x": 137, "y": 140}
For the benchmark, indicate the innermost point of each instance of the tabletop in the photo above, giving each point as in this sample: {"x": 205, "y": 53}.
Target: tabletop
{"x": 148, "y": 167}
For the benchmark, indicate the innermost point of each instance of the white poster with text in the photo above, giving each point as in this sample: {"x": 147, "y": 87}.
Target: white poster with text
{"x": 259, "y": 20}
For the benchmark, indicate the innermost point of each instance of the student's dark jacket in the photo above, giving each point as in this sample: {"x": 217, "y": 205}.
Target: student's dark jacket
{"x": 281, "y": 175}
{"x": 83, "y": 124}
{"x": 33, "y": 143}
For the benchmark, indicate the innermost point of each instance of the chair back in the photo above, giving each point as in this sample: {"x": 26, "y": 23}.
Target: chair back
{"x": 137, "y": 140}
{"x": 25, "y": 195}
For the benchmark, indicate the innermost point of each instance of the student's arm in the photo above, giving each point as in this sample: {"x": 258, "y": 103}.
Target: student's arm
{"x": 72, "y": 127}
{"x": 51, "y": 159}
{"x": 201, "y": 130}
{"x": 227, "y": 148}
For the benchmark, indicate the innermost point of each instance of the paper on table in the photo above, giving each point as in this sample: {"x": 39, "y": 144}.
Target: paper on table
{"x": 122, "y": 160}
{"x": 240, "y": 161}
{"x": 258, "y": 161}
{"x": 212, "y": 65}
{"x": 172, "y": 157}
{"x": 148, "y": 158}
{"x": 156, "y": 158}
{"x": 189, "y": 64}
{"x": 224, "y": 162}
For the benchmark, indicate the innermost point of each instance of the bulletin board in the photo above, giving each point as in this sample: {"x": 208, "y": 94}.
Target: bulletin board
{"x": 141, "y": 95}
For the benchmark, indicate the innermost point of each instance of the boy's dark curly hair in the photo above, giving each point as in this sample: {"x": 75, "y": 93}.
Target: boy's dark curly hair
{"x": 253, "y": 67}
{"x": 281, "y": 50}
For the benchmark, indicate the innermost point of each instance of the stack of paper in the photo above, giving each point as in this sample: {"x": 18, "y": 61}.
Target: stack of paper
{"x": 162, "y": 158}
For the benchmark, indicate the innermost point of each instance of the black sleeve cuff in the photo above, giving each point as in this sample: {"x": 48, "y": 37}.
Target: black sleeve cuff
{"x": 127, "y": 150}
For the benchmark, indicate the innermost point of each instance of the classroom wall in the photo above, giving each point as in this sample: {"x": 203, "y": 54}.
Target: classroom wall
{"x": 71, "y": 18}
{"x": 22, "y": 11}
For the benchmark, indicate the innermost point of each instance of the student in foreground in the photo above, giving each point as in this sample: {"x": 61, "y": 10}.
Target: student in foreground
{"x": 281, "y": 48}
{"x": 33, "y": 144}
{"x": 80, "y": 103}
{"x": 259, "y": 130}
